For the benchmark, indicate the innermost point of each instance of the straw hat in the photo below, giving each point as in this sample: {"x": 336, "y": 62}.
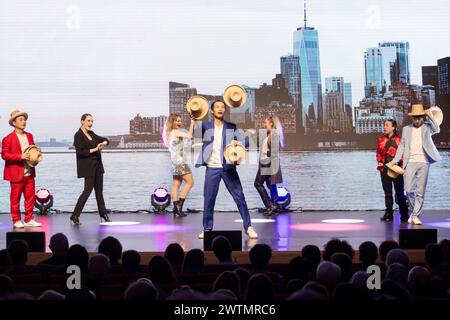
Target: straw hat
{"x": 15, "y": 114}
{"x": 394, "y": 170}
{"x": 235, "y": 154}
{"x": 35, "y": 154}
{"x": 437, "y": 114}
{"x": 197, "y": 106}
{"x": 417, "y": 110}
{"x": 234, "y": 96}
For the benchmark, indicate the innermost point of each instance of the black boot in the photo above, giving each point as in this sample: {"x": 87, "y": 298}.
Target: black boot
{"x": 179, "y": 206}
{"x": 175, "y": 208}
{"x": 105, "y": 217}
{"x": 75, "y": 220}
{"x": 388, "y": 216}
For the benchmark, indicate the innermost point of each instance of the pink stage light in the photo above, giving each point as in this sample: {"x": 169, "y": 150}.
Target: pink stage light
{"x": 327, "y": 227}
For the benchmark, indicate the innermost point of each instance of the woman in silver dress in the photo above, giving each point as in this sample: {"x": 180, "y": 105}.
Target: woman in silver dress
{"x": 175, "y": 138}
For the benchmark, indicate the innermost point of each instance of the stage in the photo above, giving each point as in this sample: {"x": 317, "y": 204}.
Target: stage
{"x": 286, "y": 232}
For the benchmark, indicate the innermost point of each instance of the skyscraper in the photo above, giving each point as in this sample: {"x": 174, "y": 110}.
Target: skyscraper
{"x": 400, "y": 71}
{"x": 335, "y": 84}
{"x": 290, "y": 71}
{"x": 306, "y": 47}
{"x": 443, "y": 92}
{"x": 373, "y": 67}
{"x": 430, "y": 76}
{"x": 386, "y": 65}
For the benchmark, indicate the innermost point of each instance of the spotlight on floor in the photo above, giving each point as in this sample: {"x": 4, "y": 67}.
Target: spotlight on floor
{"x": 44, "y": 201}
{"x": 284, "y": 198}
{"x": 160, "y": 200}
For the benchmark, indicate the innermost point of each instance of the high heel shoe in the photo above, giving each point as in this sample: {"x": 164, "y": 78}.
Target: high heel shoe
{"x": 105, "y": 217}
{"x": 175, "y": 208}
{"x": 75, "y": 220}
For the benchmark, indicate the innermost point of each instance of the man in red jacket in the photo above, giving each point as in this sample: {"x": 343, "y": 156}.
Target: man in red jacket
{"x": 17, "y": 171}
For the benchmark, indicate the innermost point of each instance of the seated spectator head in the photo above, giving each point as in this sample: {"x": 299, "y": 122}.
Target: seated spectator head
{"x": 131, "y": 259}
{"x": 419, "y": 282}
{"x": 83, "y": 294}
{"x": 311, "y": 291}
{"x": 99, "y": 267}
{"x": 244, "y": 274}
{"x": 328, "y": 274}
{"x": 78, "y": 255}
{"x": 391, "y": 290}
{"x": 175, "y": 255}
{"x": 398, "y": 273}
{"x": 18, "y": 252}
{"x": 160, "y": 271}
{"x": 294, "y": 285}
{"x": 345, "y": 292}
{"x": 59, "y": 245}
{"x": 336, "y": 245}
{"x": 260, "y": 255}
{"x": 112, "y": 248}
{"x": 399, "y": 256}
{"x": 368, "y": 254}
{"x": 359, "y": 282}
{"x": 51, "y": 295}
{"x": 228, "y": 280}
{"x": 194, "y": 261}
{"x": 186, "y": 293}
{"x": 223, "y": 294}
{"x": 221, "y": 247}
{"x": 4, "y": 258}
{"x": 445, "y": 245}
{"x": 312, "y": 254}
{"x": 385, "y": 247}
{"x": 259, "y": 288}
{"x": 141, "y": 289}
{"x": 438, "y": 287}
{"x": 298, "y": 268}
{"x": 434, "y": 255}
{"x": 345, "y": 263}
{"x": 15, "y": 296}
{"x": 6, "y": 285}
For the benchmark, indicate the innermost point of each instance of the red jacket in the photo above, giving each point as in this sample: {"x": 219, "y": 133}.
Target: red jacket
{"x": 12, "y": 154}
{"x": 382, "y": 152}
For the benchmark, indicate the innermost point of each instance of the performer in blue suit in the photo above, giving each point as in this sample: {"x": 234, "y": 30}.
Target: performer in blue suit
{"x": 217, "y": 135}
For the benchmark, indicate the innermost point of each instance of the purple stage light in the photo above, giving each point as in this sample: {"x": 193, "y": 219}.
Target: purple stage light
{"x": 161, "y": 194}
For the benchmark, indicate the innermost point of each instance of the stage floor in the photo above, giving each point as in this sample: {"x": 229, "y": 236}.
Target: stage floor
{"x": 286, "y": 232}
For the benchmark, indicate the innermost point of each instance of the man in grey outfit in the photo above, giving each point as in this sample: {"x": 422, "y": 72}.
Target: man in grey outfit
{"x": 418, "y": 151}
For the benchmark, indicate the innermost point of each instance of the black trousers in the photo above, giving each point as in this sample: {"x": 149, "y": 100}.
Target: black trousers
{"x": 95, "y": 182}
{"x": 400, "y": 197}
{"x": 259, "y": 185}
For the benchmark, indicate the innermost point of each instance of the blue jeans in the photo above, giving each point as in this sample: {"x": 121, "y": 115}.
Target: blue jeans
{"x": 232, "y": 182}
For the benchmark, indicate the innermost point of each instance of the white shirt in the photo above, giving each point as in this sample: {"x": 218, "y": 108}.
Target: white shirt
{"x": 214, "y": 160}
{"x": 417, "y": 154}
{"x": 24, "y": 145}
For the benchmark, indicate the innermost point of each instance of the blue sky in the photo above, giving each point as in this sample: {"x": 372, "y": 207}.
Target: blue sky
{"x": 60, "y": 58}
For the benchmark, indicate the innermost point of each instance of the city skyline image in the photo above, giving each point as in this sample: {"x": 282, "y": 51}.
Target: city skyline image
{"x": 60, "y": 59}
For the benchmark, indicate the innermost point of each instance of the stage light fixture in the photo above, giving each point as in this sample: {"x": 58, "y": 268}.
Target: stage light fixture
{"x": 284, "y": 197}
{"x": 160, "y": 200}
{"x": 44, "y": 201}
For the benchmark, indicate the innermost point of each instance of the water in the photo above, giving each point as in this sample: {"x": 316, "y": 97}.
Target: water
{"x": 316, "y": 180}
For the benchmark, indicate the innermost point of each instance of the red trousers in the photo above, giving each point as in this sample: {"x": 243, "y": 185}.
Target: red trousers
{"x": 27, "y": 187}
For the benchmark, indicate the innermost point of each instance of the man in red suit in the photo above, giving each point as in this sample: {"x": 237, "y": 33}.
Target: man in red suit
{"x": 17, "y": 171}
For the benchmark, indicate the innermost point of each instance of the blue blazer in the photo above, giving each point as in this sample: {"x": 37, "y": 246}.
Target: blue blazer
{"x": 428, "y": 129}
{"x": 229, "y": 133}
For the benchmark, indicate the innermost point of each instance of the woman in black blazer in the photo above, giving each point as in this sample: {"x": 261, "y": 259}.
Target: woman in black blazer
{"x": 88, "y": 148}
